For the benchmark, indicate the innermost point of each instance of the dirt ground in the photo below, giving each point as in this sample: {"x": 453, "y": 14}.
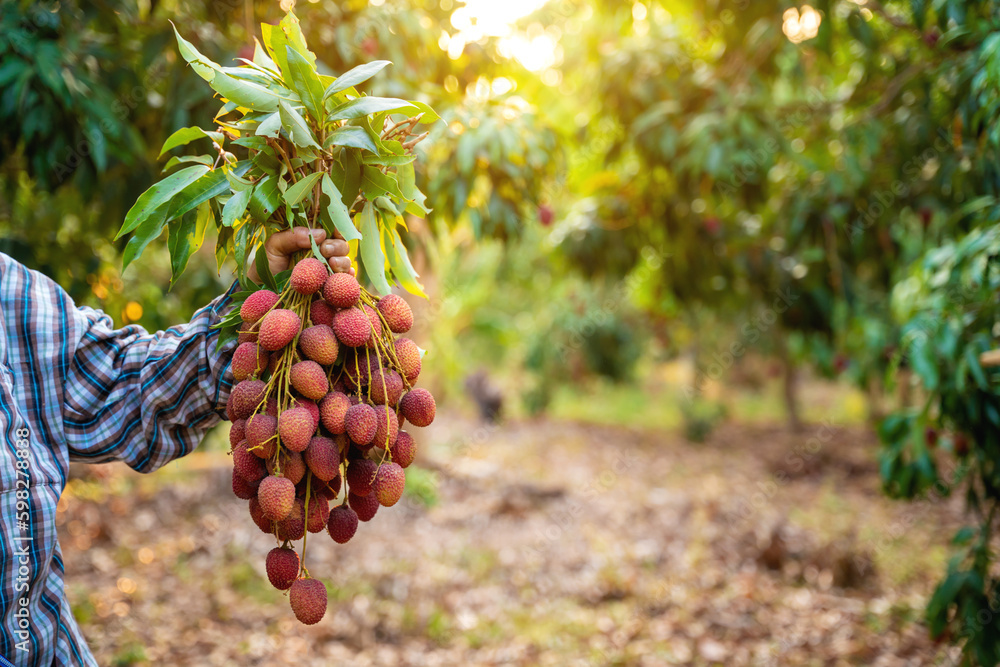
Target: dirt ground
{"x": 532, "y": 543}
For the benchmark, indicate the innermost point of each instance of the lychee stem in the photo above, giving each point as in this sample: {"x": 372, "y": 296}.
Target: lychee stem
{"x": 305, "y": 537}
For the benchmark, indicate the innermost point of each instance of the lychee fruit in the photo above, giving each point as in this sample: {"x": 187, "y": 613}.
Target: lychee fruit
{"x": 375, "y": 322}
{"x": 293, "y": 466}
{"x": 409, "y": 359}
{"x": 319, "y": 514}
{"x": 319, "y": 344}
{"x": 276, "y": 496}
{"x": 328, "y": 490}
{"x": 260, "y": 432}
{"x": 396, "y": 312}
{"x": 364, "y": 506}
{"x": 248, "y": 359}
{"x": 293, "y": 526}
{"x": 257, "y": 305}
{"x": 320, "y": 312}
{"x": 242, "y": 488}
{"x": 247, "y": 465}
{"x": 389, "y": 482}
{"x": 309, "y": 379}
{"x": 343, "y": 524}
{"x": 282, "y": 567}
{"x": 308, "y": 598}
{"x": 387, "y": 427}
{"x": 323, "y": 458}
{"x": 352, "y": 326}
{"x": 342, "y": 290}
{"x": 361, "y": 423}
{"x": 237, "y": 432}
{"x": 386, "y": 388}
{"x": 295, "y": 427}
{"x": 332, "y": 411}
{"x": 244, "y": 399}
{"x": 418, "y": 407}
{"x": 247, "y": 333}
{"x": 308, "y": 276}
{"x": 310, "y": 406}
{"x": 257, "y": 514}
{"x": 404, "y": 450}
{"x": 278, "y": 329}
{"x": 361, "y": 476}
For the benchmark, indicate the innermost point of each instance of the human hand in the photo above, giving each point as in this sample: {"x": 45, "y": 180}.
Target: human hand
{"x": 281, "y": 246}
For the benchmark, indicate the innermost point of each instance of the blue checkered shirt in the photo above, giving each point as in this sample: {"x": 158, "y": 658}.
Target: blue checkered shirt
{"x": 74, "y": 388}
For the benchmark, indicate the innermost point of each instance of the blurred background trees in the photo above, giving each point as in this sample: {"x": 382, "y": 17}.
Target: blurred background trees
{"x": 643, "y": 181}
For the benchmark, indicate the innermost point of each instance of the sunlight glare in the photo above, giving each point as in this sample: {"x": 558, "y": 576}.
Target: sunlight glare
{"x": 480, "y": 19}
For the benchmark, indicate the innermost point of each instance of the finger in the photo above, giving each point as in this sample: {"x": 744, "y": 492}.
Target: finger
{"x": 341, "y": 265}
{"x": 289, "y": 241}
{"x": 334, "y": 248}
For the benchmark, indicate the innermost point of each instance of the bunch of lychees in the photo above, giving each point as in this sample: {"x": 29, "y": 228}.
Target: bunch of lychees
{"x": 324, "y": 387}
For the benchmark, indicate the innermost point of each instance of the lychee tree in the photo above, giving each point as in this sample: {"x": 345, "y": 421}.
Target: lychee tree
{"x": 324, "y": 381}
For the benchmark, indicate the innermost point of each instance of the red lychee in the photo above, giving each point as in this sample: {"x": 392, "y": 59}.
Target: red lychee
{"x": 244, "y": 399}
{"x": 309, "y": 379}
{"x": 396, "y": 312}
{"x": 364, "y": 506}
{"x": 342, "y": 290}
{"x": 361, "y": 476}
{"x": 409, "y": 359}
{"x": 257, "y": 305}
{"x": 247, "y": 333}
{"x": 323, "y": 458}
{"x": 360, "y": 423}
{"x": 282, "y": 567}
{"x": 387, "y": 427}
{"x": 418, "y": 407}
{"x": 352, "y": 326}
{"x": 389, "y": 482}
{"x": 276, "y": 496}
{"x": 319, "y": 514}
{"x": 319, "y": 344}
{"x": 328, "y": 490}
{"x": 343, "y": 524}
{"x": 332, "y": 411}
{"x": 247, "y": 465}
{"x": 308, "y": 276}
{"x": 249, "y": 359}
{"x": 293, "y": 466}
{"x": 375, "y": 323}
{"x": 257, "y": 514}
{"x": 386, "y": 388}
{"x": 293, "y": 526}
{"x": 295, "y": 427}
{"x": 404, "y": 450}
{"x": 278, "y": 329}
{"x": 308, "y": 599}
{"x": 260, "y": 432}
{"x": 237, "y": 432}
{"x": 311, "y": 406}
{"x": 242, "y": 488}
{"x": 320, "y": 312}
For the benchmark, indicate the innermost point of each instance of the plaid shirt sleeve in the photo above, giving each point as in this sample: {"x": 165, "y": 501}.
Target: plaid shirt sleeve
{"x": 141, "y": 398}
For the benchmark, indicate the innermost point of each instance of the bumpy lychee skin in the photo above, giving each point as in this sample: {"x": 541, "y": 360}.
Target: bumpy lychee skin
{"x": 418, "y": 407}
{"x": 282, "y": 567}
{"x": 249, "y": 359}
{"x": 295, "y": 428}
{"x": 293, "y": 526}
{"x": 237, "y": 432}
{"x": 247, "y": 333}
{"x": 243, "y": 489}
{"x": 257, "y": 514}
{"x": 343, "y": 524}
{"x": 333, "y": 410}
{"x": 375, "y": 322}
{"x": 352, "y": 326}
{"x": 323, "y": 458}
{"x": 276, "y": 496}
{"x": 293, "y": 466}
{"x": 308, "y": 276}
{"x": 409, "y": 359}
{"x": 361, "y": 423}
{"x": 319, "y": 344}
{"x": 320, "y": 312}
{"x": 404, "y": 450}
{"x": 278, "y": 329}
{"x": 309, "y": 405}
{"x": 247, "y": 465}
{"x": 342, "y": 290}
{"x": 257, "y": 305}
{"x": 389, "y": 482}
{"x": 319, "y": 514}
{"x": 387, "y": 427}
{"x": 396, "y": 312}
{"x": 386, "y": 388}
{"x": 244, "y": 399}
{"x": 361, "y": 476}
{"x": 260, "y": 430}
{"x": 308, "y": 600}
{"x": 309, "y": 379}
{"x": 364, "y": 506}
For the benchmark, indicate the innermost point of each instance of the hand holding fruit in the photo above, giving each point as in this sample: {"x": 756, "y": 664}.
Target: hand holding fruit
{"x": 280, "y": 248}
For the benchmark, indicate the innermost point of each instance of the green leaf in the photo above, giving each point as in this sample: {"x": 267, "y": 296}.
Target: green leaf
{"x": 265, "y": 199}
{"x": 406, "y": 177}
{"x": 212, "y": 184}
{"x": 186, "y": 135}
{"x": 315, "y": 250}
{"x": 236, "y": 207}
{"x": 364, "y": 106}
{"x": 260, "y": 57}
{"x": 429, "y": 115}
{"x": 350, "y": 135}
{"x": 389, "y": 160}
{"x": 371, "y": 249}
{"x": 222, "y": 246}
{"x": 399, "y": 262}
{"x": 353, "y": 77}
{"x": 206, "y": 160}
{"x": 159, "y": 193}
{"x": 352, "y": 177}
{"x": 205, "y": 68}
{"x": 293, "y": 34}
{"x": 306, "y": 83}
{"x": 299, "y": 190}
{"x": 264, "y": 270}
{"x": 243, "y": 235}
{"x": 270, "y": 126}
{"x": 148, "y": 229}
{"x": 236, "y": 181}
{"x": 376, "y": 184}
{"x": 336, "y": 211}
{"x": 244, "y": 93}
{"x": 186, "y": 237}
{"x": 296, "y": 126}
